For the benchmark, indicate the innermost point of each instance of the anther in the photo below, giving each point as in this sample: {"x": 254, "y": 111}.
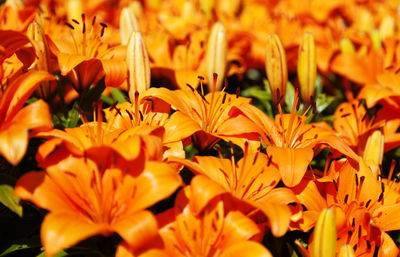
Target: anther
{"x": 69, "y": 25}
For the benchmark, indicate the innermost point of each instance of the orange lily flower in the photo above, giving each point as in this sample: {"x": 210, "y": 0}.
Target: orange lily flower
{"x": 15, "y": 88}
{"x": 386, "y": 92}
{"x": 289, "y": 139}
{"x": 362, "y": 208}
{"x": 252, "y": 179}
{"x": 14, "y": 15}
{"x": 85, "y": 199}
{"x": 198, "y": 114}
{"x": 150, "y": 114}
{"x": 84, "y": 56}
{"x": 214, "y": 232}
{"x": 353, "y": 124}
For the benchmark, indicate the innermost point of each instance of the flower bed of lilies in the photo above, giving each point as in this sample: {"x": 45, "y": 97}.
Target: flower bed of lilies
{"x": 200, "y": 128}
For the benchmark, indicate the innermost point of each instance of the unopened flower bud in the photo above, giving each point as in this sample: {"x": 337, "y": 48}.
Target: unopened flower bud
{"x": 365, "y": 20}
{"x": 127, "y": 24}
{"x": 386, "y": 29}
{"x": 74, "y": 9}
{"x": 206, "y": 6}
{"x": 346, "y": 46}
{"x": 373, "y": 152}
{"x": 324, "y": 240}
{"x": 217, "y": 50}
{"x": 307, "y": 67}
{"x": 137, "y": 8}
{"x": 39, "y": 41}
{"x": 188, "y": 11}
{"x": 276, "y": 68}
{"x": 138, "y": 65}
{"x": 346, "y": 251}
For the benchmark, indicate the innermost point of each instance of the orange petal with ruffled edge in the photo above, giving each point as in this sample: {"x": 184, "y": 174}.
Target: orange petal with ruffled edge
{"x": 62, "y": 230}
{"x": 18, "y": 92}
{"x": 292, "y": 162}
{"x": 137, "y": 229}
{"x": 155, "y": 183}
{"x": 13, "y": 144}
{"x": 203, "y": 191}
{"x": 246, "y": 249}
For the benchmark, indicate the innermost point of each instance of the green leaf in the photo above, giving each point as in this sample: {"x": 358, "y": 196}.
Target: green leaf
{"x": 9, "y": 200}
{"x": 118, "y": 95}
{"x": 289, "y": 96}
{"x": 323, "y": 101}
{"x": 60, "y": 254}
{"x": 106, "y": 99}
{"x": 318, "y": 85}
{"x": 13, "y": 248}
{"x": 31, "y": 100}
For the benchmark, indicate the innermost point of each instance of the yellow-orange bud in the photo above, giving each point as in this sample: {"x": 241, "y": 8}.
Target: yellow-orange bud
{"x": 74, "y": 9}
{"x": 39, "y": 41}
{"x": 373, "y": 152}
{"x": 324, "y": 241}
{"x": 307, "y": 67}
{"x": 127, "y": 24}
{"x": 346, "y": 46}
{"x": 217, "y": 51}
{"x": 138, "y": 65}
{"x": 386, "y": 29}
{"x": 276, "y": 68}
{"x": 346, "y": 251}
{"x": 206, "y": 6}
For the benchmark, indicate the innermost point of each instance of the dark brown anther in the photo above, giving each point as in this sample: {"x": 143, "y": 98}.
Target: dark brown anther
{"x": 200, "y": 77}
{"x": 353, "y": 223}
{"x": 237, "y": 92}
{"x": 380, "y": 197}
{"x": 69, "y": 25}
{"x": 103, "y": 25}
{"x": 346, "y": 197}
{"x": 355, "y": 247}
{"x": 77, "y": 22}
{"x": 94, "y": 20}
{"x": 112, "y": 107}
{"x": 369, "y": 245}
{"x": 367, "y": 204}
{"x": 364, "y": 117}
{"x": 383, "y": 187}
{"x": 224, "y": 99}
{"x": 215, "y": 77}
{"x": 335, "y": 184}
{"x": 129, "y": 114}
{"x": 141, "y": 115}
{"x": 359, "y": 232}
{"x": 269, "y": 161}
{"x": 191, "y": 88}
{"x": 356, "y": 177}
{"x": 362, "y": 178}
{"x": 345, "y": 115}
{"x": 255, "y": 158}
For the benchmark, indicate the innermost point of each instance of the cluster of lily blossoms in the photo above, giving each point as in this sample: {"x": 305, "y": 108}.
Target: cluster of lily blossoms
{"x": 200, "y": 128}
